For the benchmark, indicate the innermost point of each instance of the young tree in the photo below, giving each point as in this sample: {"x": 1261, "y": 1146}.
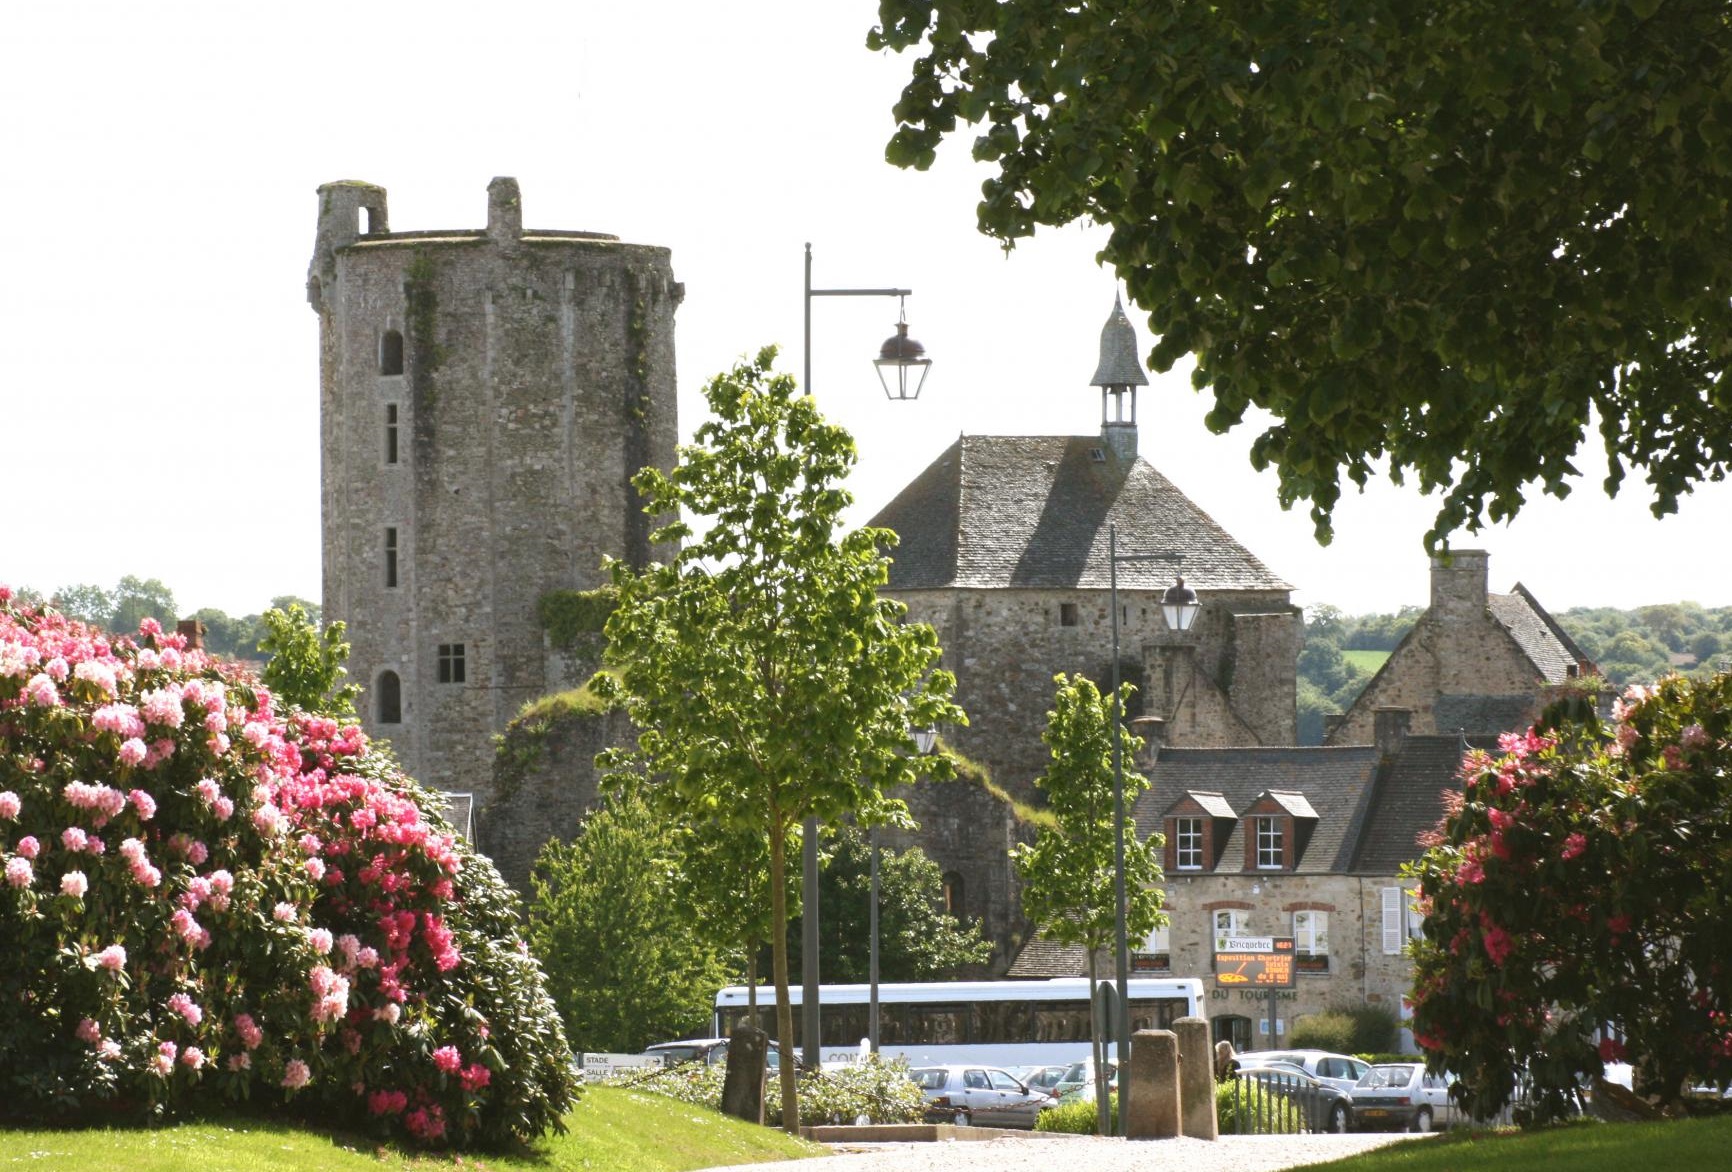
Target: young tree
{"x": 1068, "y": 873}
{"x": 770, "y": 681}
{"x": 917, "y": 939}
{"x": 1445, "y": 235}
{"x": 306, "y": 665}
{"x": 1582, "y": 880}
{"x": 137, "y": 599}
{"x": 627, "y": 962}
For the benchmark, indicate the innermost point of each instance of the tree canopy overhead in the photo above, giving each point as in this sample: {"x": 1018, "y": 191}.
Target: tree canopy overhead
{"x": 1445, "y": 236}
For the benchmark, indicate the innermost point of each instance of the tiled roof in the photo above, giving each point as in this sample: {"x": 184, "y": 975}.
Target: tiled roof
{"x": 1212, "y": 804}
{"x": 1541, "y": 640}
{"x": 1408, "y": 799}
{"x": 1482, "y": 713}
{"x": 1334, "y": 781}
{"x": 1041, "y": 957}
{"x": 1294, "y": 804}
{"x": 1033, "y": 511}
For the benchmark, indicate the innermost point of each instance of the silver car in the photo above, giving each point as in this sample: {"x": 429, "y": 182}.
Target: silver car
{"x": 983, "y": 1096}
{"x": 1402, "y": 1095}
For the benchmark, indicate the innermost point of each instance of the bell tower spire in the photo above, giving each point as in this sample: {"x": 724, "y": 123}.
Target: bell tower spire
{"x": 1119, "y": 373}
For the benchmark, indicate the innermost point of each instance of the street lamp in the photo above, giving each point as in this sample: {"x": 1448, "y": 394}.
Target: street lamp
{"x": 902, "y": 355}
{"x": 1179, "y": 608}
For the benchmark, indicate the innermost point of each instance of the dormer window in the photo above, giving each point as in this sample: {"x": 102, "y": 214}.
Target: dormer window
{"x": 1271, "y": 852}
{"x": 1188, "y": 844}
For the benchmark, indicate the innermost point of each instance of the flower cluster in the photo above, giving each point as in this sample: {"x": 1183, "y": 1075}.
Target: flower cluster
{"x": 167, "y": 794}
{"x": 1579, "y": 884}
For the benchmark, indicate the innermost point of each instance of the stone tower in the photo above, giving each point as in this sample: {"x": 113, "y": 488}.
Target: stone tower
{"x": 485, "y": 397}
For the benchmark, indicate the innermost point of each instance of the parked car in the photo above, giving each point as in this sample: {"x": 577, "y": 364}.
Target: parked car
{"x": 1081, "y": 1074}
{"x": 1402, "y": 1095}
{"x": 983, "y": 1096}
{"x": 1321, "y": 1107}
{"x": 1040, "y": 1078}
{"x": 710, "y": 1051}
{"x": 1338, "y": 1070}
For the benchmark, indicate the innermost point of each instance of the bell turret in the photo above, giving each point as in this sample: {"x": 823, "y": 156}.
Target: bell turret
{"x": 1119, "y": 373}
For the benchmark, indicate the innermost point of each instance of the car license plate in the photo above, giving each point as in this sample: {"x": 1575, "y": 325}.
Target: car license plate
{"x": 1373, "y": 1111}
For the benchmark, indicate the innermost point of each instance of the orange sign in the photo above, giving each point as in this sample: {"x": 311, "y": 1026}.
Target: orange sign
{"x": 1256, "y": 962}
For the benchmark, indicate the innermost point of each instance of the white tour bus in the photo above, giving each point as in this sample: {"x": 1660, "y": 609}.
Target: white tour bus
{"x": 999, "y": 1023}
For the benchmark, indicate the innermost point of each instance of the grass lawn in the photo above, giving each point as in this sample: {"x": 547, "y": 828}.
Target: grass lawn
{"x": 1589, "y": 1147}
{"x": 1366, "y": 661}
{"x": 613, "y": 1129}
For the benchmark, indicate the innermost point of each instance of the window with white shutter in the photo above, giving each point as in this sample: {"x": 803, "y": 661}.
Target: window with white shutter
{"x": 1393, "y": 936}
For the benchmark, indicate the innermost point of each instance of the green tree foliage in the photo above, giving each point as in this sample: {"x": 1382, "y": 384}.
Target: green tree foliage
{"x": 306, "y": 664}
{"x": 917, "y": 939}
{"x": 1440, "y": 238}
{"x": 1584, "y": 879}
{"x": 770, "y": 681}
{"x": 1645, "y": 644}
{"x": 627, "y": 963}
{"x": 1068, "y": 874}
{"x": 86, "y": 603}
{"x": 136, "y": 599}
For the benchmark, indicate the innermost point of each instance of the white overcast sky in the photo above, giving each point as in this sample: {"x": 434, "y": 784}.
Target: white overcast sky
{"x": 158, "y": 372}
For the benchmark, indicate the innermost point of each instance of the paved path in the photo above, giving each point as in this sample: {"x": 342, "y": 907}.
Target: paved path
{"x": 1047, "y": 1153}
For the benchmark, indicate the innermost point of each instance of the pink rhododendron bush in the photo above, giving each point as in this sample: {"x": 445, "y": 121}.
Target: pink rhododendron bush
{"x": 205, "y": 898}
{"x": 1583, "y": 879}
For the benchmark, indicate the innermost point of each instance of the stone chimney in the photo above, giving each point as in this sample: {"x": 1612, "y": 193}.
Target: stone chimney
{"x": 504, "y": 211}
{"x": 1458, "y": 588}
{"x": 1153, "y": 731}
{"x": 1390, "y": 726}
{"x": 194, "y": 632}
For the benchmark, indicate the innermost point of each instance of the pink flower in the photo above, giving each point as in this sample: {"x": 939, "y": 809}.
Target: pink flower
{"x": 240, "y": 1061}
{"x": 248, "y": 1031}
{"x": 144, "y": 804}
{"x": 1498, "y": 944}
{"x": 41, "y": 692}
{"x": 112, "y": 958}
{"x": 387, "y": 1102}
{"x": 162, "y": 706}
{"x": 89, "y": 1031}
{"x": 100, "y": 674}
{"x": 283, "y": 913}
{"x": 29, "y": 847}
{"x": 9, "y": 805}
{"x": 108, "y": 1050}
{"x": 475, "y": 1076}
{"x": 1694, "y": 736}
{"x": 1574, "y": 845}
{"x": 388, "y": 1013}
{"x": 18, "y": 872}
{"x": 296, "y": 1075}
{"x": 447, "y": 1058}
{"x": 74, "y": 883}
{"x": 163, "y": 1063}
{"x": 132, "y": 751}
{"x": 73, "y": 838}
{"x": 315, "y": 869}
{"x": 187, "y": 1008}
{"x": 320, "y": 939}
{"x": 193, "y": 1057}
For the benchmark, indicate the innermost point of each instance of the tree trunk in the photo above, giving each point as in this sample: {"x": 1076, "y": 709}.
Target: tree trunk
{"x": 779, "y": 966}
{"x": 752, "y": 982}
{"x": 1098, "y": 1053}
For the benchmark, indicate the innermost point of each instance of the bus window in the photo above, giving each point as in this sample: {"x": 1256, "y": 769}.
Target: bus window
{"x": 845, "y": 1025}
{"x": 1156, "y": 1015}
{"x": 1064, "y": 1021}
{"x": 1002, "y": 1021}
{"x": 936, "y": 1025}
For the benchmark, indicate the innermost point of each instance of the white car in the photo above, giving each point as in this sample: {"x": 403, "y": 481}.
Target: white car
{"x": 1338, "y": 1070}
{"x": 982, "y": 1096}
{"x": 1402, "y": 1095}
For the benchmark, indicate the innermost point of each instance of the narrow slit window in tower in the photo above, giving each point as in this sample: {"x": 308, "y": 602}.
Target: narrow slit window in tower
{"x": 390, "y": 433}
{"x": 390, "y": 557}
{"x": 391, "y": 352}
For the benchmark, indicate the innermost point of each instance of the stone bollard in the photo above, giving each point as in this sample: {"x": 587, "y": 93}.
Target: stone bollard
{"x": 1153, "y": 1108}
{"x": 743, "y": 1084}
{"x": 1196, "y": 1079}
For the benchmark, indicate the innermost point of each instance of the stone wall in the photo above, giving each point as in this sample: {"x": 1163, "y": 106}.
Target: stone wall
{"x": 1458, "y": 657}
{"x": 551, "y": 798}
{"x": 1359, "y": 973}
{"x": 528, "y": 375}
{"x": 1005, "y": 646}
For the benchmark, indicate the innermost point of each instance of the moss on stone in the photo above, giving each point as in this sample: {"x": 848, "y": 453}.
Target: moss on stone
{"x": 568, "y": 615}
{"x": 974, "y": 773}
{"x": 520, "y": 747}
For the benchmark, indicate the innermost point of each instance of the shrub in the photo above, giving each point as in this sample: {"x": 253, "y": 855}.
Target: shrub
{"x": 1245, "y": 1106}
{"x": 207, "y": 898}
{"x": 881, "y": 1091}
{"x": 1332, "y": 1030}
{"x": 1077, "y": 1115}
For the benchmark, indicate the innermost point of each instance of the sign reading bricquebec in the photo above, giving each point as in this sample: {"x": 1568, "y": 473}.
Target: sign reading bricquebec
{"x": 1255, "y": 962}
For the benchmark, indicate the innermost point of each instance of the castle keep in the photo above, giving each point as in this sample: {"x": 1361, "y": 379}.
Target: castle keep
{"x": 485, "y": 397}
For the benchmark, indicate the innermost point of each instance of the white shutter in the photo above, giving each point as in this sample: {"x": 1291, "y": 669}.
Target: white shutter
{"x": 1392, "y": 934}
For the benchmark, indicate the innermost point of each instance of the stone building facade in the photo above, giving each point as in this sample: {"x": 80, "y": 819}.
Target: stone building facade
{"x": 485, "y": 397}
{"x": 1474, "y": 661}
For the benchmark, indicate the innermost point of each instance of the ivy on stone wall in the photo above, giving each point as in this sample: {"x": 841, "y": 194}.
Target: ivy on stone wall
{"x": 568, "y": 615}
{"x": 519, "y": 748}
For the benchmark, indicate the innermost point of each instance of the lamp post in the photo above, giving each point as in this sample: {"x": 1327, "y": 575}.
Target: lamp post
{"x": 903, "y": 355}
{"x": 1183, "y": 612}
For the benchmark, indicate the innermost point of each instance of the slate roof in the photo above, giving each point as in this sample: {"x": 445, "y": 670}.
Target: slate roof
{"x": 1041, "y": 957}
{"x": 1408, "y": 799}
{"x": 1538, "y": 635}
{"x": 1213, "y": 804}
{"x": 1295, "y": 804}
{"x": 1032, "y": 511}
{"x": 1335, "y": 781}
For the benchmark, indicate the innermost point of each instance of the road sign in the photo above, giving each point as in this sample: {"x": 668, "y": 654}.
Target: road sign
{"x": 1255, "y": 962}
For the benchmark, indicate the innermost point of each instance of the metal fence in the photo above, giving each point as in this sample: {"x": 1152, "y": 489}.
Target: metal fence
{"x": 1272, "y": 1102}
